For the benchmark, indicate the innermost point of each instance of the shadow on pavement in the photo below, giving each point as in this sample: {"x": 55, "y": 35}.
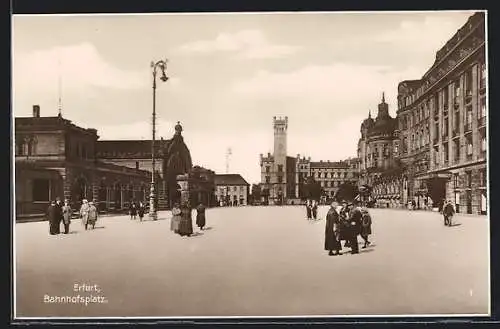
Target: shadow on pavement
{"x": 196, "y": 234}
{"x": 208, "y": 228}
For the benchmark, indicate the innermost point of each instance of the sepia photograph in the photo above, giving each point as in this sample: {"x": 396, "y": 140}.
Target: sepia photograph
{"x": 250, "y": 165}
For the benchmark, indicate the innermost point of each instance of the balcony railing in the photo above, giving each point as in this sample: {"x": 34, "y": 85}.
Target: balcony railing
{"x": 468, "y": 127}
{"x": 481, "y": 121}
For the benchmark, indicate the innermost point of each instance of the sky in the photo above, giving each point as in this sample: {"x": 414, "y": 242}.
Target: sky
{"x": 229, "y": 74}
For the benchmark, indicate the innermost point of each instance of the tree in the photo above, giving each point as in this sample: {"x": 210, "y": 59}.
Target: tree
{"x": 346, "y": 191}
{"x": 256, "y": 193}
{"x": 312, "y": 189}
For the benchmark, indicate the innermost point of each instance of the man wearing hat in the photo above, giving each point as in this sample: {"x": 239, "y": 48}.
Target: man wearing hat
{"x": 355, "y": 216}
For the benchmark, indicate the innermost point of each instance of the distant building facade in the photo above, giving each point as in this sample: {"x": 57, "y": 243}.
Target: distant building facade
{"x": 231, "y": 190}
{"x": 378, "y": 148}
{"x": 330, "y": 175}
{"x": 283, "y": 177}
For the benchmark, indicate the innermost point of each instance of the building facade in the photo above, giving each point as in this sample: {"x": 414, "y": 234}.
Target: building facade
{"x": 443, "y": 125}
{"x": 231, "y": 190}
{"x": 283, "y": 178}
{"x": 55, "y": 158}
{"x": 330, "y": 175}
{"x": 378, "y": 148}
{"x": 436, "y": 149}
{"x": 278, "y": 169}
{"x": 172, "y": 159}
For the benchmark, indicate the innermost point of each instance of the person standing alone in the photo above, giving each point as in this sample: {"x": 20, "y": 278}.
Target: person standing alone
{"x": 200, "y": 216}
{"x": 66, "y": 213}
{"x": 314, "y": 209}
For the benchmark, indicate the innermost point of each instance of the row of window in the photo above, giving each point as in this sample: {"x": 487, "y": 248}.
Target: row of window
{"x": 483, "y": 180}
{"x": 443, "y": 94}
{"x": 223, "y": 189}
{"x": 456, "y": 149}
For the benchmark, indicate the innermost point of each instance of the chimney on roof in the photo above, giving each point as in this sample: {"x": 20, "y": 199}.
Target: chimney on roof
{"x": 36, "y": 111}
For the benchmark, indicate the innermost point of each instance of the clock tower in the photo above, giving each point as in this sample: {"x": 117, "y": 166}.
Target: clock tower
{"x": 280, "y": 126}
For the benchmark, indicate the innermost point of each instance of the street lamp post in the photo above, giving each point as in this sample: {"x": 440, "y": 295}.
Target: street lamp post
{"x": 162, "y": 65}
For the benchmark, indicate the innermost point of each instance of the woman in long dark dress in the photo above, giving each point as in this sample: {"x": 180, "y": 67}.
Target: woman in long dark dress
{"x": 51, "y": 217}
{"x": 332, "y": 236}
{"x": 200, "y": 216}
{"x": 186, "y": 224}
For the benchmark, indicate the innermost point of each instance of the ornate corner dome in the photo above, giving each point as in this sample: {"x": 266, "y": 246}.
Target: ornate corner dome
{"x": 384, "y": 123}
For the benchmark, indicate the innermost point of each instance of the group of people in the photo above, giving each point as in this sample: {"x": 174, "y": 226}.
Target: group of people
{"x": 137, "y": 209}
{"x": 312, "y": 209}
{"x": 58, "y": 213}
{"x": 346, "y": 223}
{"x": 182, "y": 222}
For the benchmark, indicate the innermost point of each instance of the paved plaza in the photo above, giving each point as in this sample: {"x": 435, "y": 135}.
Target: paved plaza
{"x": 254, "y": 261}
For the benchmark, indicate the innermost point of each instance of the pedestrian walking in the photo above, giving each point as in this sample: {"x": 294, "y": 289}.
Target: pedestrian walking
{"x": 308, "y": 209}
{"x": 332, "y": 231}
{"x": 133, "y": 210}
{"x": 200, "y": 216}
{"x": 84, "y": 213}
{"x": 141, "y": 210}
{"x": 93, "y": 214}
{"x": 59, "y": 215}
{"x": 314, "y": 209}
{"x": 176, "y": 218}
{"x": 52, "y": 213}
{"x": 186, "y": 223}
{"x": 366, "y": 226}
{"x": 66, "y": 213}
{"x": 448, "y": 212}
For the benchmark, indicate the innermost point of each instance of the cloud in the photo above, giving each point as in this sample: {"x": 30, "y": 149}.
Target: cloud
{"x": 423, "y": 36}
{"x": 344, "y": 86}
{"x": 250, "y": 44}
{"x": 78, "y": 66}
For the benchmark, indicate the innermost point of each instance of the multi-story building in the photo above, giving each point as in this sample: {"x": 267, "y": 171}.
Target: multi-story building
{"x": 331, "y": 175}
{"x": 278, "y": 169}
{"x": 377, "y": 151}
{"x": 442, "y": 124}
{"x": 283, "y": 177}
{"x": 231, "y": 190}
{"x": 56, "y": 158}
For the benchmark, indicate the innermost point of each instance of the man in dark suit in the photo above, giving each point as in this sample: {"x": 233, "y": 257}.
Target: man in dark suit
{"x": 355, "y": 216}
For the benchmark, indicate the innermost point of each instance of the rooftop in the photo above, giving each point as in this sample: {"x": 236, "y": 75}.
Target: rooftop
{"x": 229, "y": 179}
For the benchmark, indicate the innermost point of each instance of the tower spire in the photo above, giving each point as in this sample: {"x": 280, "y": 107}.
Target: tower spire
{"x": 383, "y": 97}
{"x": 59, "y": 87}
{"x": 369, "y": 114}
